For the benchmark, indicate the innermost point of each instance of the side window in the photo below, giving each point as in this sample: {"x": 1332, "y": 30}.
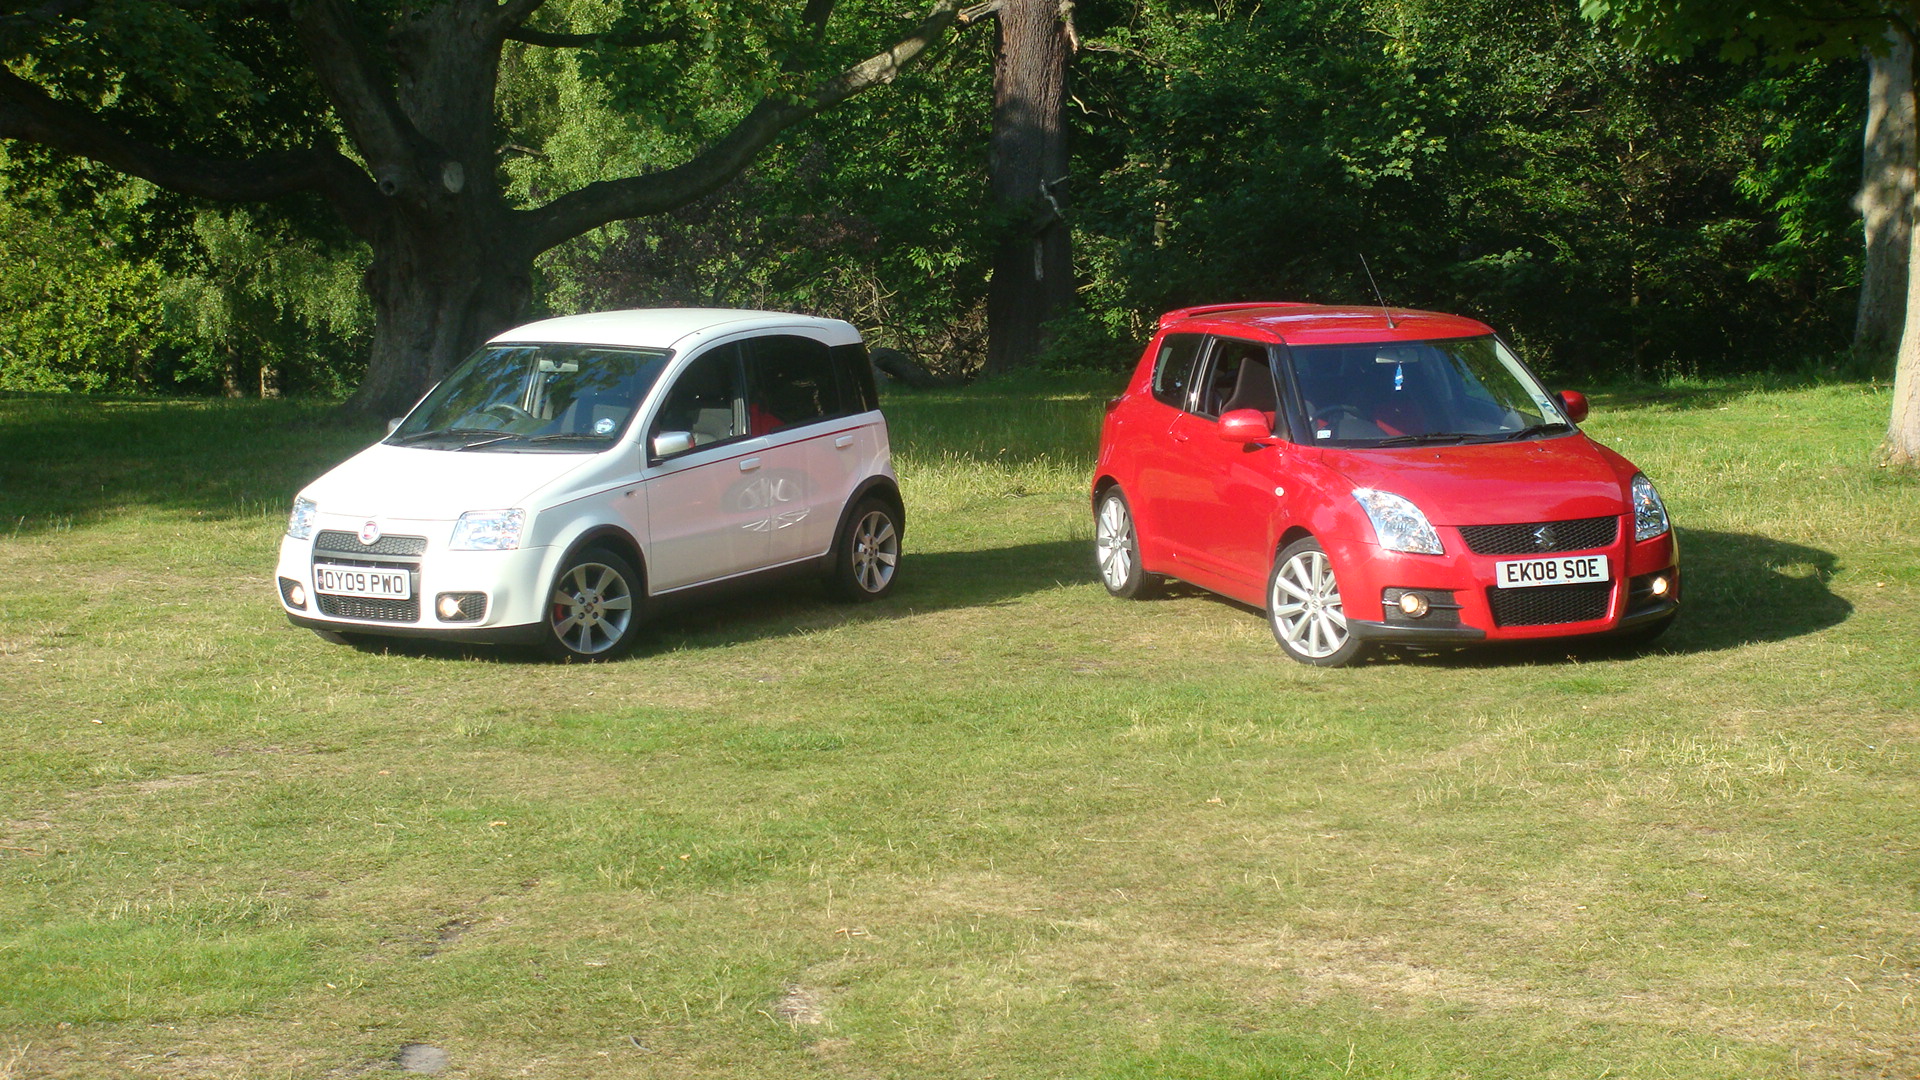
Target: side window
{"x": 1240, "y": 377}
{"x": 790, "y": 381}
{"x": 857, "y": 392}
{"x": 705, "y": 401}
{"x": 1173, "y": 368}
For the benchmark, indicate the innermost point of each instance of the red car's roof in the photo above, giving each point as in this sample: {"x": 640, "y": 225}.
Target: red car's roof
{"x": 1322, "y": 324}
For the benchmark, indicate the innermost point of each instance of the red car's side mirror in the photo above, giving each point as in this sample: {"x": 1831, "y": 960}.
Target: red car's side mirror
{"x": 1575, "y": 405}
{"x": 1246, "y": 426}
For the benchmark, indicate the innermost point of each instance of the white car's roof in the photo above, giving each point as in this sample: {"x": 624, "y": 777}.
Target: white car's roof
{"x": 671, "y": 328}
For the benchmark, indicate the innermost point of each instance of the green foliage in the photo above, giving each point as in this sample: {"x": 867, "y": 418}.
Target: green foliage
{"x": 109, "y": 284}
{"x": 1508, "y": 163}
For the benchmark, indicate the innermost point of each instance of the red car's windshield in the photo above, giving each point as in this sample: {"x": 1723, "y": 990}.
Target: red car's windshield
{"x": 1398, "y": 392}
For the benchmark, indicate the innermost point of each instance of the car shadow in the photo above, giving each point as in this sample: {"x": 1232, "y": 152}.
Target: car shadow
{"x": 1737, "y": 589}
{"x": 788, "y": 606}
{"x": 1740, "y": 589}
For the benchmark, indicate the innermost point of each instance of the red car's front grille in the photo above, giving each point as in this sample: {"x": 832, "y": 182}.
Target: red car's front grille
{"x": 1541, "y": 537}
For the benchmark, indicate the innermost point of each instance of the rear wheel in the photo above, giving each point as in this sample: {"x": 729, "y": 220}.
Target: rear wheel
{"x": 1116, "y": 547}
{"x": 593, "y": 608}
{"x": 867, "y": 553}
{"x": 1304, "y": 607}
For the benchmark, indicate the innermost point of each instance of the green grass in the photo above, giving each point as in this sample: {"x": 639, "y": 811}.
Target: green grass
{"x": 999, "y": 825}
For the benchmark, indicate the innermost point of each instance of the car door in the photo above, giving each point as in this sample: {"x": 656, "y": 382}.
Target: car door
{"x": 1222, "y": 518}
{"x": 1163, "y": 486}
{"x": 793, "y": 399}
{"x": 706, "y": 497}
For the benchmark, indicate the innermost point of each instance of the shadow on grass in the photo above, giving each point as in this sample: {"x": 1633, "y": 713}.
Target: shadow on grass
{"x": 1740, "y": 589}
{"x": 786, "y": 607}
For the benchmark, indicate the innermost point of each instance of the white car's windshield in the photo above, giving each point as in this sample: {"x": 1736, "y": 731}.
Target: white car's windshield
{"x": 1410, "y": 392}
{"x": 534, "y": 398}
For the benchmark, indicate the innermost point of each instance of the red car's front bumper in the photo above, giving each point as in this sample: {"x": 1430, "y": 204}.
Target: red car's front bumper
{"x": 1464, "y": 604}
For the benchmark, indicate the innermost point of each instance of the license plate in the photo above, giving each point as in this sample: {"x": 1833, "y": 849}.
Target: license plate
{"x": 1559, "y": 570}
{"x": 362, "y": 581}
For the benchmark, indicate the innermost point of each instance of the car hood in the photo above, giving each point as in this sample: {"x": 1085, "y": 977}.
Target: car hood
{"x": 1496, "y": 483}
{"x": 385, "y": 481}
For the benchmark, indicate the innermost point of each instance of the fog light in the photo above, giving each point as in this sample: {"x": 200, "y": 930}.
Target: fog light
{"x": 461, "y": 606}
{"x": 1413, "y": 605}
{"x": 1659, "y": 586}
{"x": 297, "y": 596}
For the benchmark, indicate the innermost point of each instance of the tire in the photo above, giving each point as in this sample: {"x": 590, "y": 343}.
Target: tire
{"x": 1116, "y": 549}
{"x": 593, "y": 608}
{"x": 1304, "y": 607}
{"x": 866, "y": 554}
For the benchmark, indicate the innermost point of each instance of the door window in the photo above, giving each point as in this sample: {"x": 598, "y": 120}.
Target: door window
{"x": 1239, "y": 377}
{"x": 706, "y": 401}
{"x": 791, "y": 381}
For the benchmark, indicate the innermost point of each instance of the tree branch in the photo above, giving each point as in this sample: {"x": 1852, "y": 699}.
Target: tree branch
{"x": 359, "y": 95}
{"x": 613, "y": 200}
{"x": 29, "y": 114}
{"x": 552, "y": 40}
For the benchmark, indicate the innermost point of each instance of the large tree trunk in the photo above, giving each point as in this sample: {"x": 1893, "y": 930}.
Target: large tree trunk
{"x": 437, "y": 293}
{"x": 1902, "y": 447}
{"x": 1033, "y": 264}
{"x": 1889, "y": 155}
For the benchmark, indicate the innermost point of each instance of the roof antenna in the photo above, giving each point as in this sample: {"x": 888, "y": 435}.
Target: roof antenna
{"x": 1376, "y": 291}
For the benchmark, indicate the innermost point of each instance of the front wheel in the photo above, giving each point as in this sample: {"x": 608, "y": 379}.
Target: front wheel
{"x": 593, "y": 610}
{"x": 1303, "y": 604}
{"x": 867, "y": 552}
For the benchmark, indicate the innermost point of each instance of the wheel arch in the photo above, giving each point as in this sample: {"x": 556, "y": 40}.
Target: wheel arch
{"x": 612, "y": 537}
{"x": 887, "y": 491}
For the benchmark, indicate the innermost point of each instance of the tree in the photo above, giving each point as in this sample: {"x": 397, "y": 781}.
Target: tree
{"x": 1786, "y": 32}
{"x": 1033, "y": 261}
{"x": 387, "y": 111}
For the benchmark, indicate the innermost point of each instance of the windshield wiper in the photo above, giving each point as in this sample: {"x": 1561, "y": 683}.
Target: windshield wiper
{"x": 1429, "y": 437}
{"x": 557, "y": 436}
{"x": 441, "y": 433}
{"x": 1531, "y": 430}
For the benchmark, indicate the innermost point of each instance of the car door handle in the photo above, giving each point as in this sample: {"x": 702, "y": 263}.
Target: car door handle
{"x": 748, "y": 464}
{"x": 843, "y": 442}
{"x": 1177, "y": 436}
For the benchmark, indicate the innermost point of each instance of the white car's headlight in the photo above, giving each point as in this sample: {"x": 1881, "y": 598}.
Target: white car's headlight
{"x": 1649, "y": 513}
{"x": 300, "y": 522}
{"x": 1398, "y": 523}
{"x": 488, "y": 530}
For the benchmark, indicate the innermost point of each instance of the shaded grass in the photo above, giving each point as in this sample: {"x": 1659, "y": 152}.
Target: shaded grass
{"x": 999, "y": 825}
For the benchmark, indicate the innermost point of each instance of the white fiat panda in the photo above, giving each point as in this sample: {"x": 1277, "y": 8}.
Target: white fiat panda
{"x": 573, "y": 471}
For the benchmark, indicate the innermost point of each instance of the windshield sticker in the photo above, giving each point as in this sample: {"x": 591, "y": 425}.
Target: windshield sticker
{"x": 603, "y": 426}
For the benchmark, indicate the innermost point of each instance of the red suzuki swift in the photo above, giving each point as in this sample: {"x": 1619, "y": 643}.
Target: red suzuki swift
{"x": 1374, "y": 476}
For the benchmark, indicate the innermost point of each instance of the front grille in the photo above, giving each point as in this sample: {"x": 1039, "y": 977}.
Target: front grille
{"x": 1547, "y": 605}
{"x": 360, "y": 607}
{"x": 335, "y": 541}
{"x": 1584, "y": 534}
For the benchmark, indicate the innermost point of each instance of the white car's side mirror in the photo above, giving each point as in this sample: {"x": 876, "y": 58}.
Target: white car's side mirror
{"x": 394, "y": 423}
{"x": 668, "y": 443}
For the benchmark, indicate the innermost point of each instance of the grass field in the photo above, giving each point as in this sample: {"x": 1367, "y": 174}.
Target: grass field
{"x": 999, "y": 825}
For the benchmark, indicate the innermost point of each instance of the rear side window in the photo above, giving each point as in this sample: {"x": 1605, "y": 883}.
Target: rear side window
{"x": 790, "y": 381}
{"x": 857, "y": 392}
{"x": 1173, "y": 368}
